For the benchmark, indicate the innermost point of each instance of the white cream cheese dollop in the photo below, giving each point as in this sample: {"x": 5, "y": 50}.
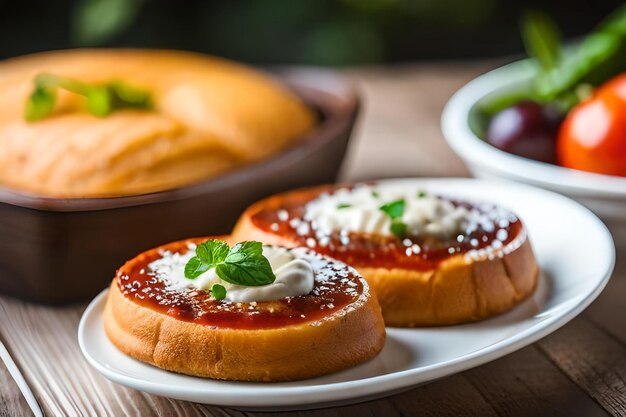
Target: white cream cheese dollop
{"x": 358, "y": 210}
{"x": 294, "y": 276}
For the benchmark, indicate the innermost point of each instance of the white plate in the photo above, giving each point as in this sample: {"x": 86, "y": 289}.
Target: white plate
{"x": 573, "y": 247}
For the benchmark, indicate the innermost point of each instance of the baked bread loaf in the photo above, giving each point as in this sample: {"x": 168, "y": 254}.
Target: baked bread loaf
{"x": 335, "y": 326}
{"x": 439, "y": 262}
{"x": 210, "y": 116}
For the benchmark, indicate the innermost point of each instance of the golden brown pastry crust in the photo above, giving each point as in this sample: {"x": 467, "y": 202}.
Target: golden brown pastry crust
{"x": 211, "y": 115}
{"x": 343, "y": 339}
{"x": 461, "y": 289}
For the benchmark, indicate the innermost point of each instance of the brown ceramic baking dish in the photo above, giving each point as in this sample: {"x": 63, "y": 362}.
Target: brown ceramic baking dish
{"x": 63, "y": 250}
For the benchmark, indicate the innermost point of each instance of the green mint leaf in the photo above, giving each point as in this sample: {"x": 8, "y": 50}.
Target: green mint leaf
{"x": 39, "y": 104}
{"x": 542, "y": 39}
{"x": 208, "y": 255}
{"x": 212, "y": 252}
{"x": 375, "y": 194}
{"x": 343, "y": 205}
{"x": 218, "y": 291}
{"x": 243, "y": 264}
{"x": 195, "y": 267}
{"x": 246, "y": 265}
{"x": 398, "y": 229}
{"x": 394, "y": 209}
{"x": 421, "y": 194}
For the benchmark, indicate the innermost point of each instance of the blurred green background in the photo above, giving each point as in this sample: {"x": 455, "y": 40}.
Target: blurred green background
{"x": 319, "y": 32}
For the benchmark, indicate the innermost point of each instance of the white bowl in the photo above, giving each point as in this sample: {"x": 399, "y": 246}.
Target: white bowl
{"x": 603, "y": 194}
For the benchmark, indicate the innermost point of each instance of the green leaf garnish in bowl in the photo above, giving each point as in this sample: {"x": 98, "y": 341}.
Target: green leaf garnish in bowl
{"x": 561, "y": 69}
{"x": 102, "y": 99}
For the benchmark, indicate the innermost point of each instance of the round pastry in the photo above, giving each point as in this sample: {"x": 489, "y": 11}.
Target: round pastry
{"x": 202, "y": 116}
{"x": 247, "y": 313}
{"x": 431, "y": 260}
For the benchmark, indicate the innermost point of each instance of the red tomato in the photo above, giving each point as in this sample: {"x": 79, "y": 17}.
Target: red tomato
{"x": 593, "y": 135}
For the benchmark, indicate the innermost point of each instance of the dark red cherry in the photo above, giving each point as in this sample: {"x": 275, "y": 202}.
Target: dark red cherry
{"x": 526, "y": 129}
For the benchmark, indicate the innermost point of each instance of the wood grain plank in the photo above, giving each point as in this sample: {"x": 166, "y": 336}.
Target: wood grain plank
{"x": 454, "y": 396}
{"x": 592, "y": 359}
{"x": 608, "y": 311}
{"x": 522, "y": 384}
{"x": 449, "y": 397}
{"x": 12, "y": 403}
{"x": 527, "y": 384}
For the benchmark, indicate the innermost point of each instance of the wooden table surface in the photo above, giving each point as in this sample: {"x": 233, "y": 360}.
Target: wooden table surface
{"x": 579, "y": 370}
